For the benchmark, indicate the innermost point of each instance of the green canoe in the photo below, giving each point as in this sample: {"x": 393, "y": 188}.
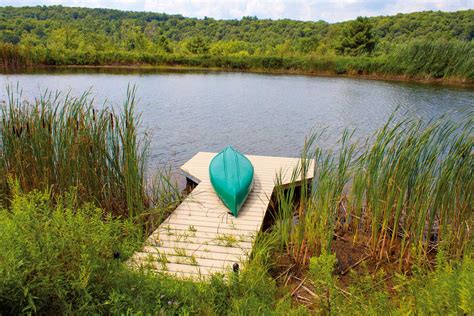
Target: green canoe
{"x": 231, "y": 176}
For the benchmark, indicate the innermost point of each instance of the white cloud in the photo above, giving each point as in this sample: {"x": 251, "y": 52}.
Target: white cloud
{"x": 328, "y": 10}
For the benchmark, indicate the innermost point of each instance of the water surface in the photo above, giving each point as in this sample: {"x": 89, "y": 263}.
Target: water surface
{"x": 259, "y": 114}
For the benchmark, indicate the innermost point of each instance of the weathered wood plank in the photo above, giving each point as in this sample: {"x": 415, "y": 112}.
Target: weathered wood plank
{"x": 200, "y": 237}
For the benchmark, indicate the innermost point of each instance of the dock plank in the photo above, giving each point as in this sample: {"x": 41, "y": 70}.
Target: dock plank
{"x": 200, "y": 237}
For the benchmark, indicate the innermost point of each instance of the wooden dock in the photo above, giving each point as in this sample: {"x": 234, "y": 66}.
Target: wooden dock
{"x": 200, "y": 237}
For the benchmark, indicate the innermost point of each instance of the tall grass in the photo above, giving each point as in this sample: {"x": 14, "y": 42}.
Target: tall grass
{"x": 13, "y": 55}
{"x": 407, "y": 189}
{"x": 417, "y": 181}
{"x": 307, "y": 227}
{"x": 58, "y": 142}
{"x": 436, "y": 59}
{"x": 421, "y": 59}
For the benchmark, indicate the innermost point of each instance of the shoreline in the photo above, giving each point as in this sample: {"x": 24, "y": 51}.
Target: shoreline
{"x": 454, "y": 82}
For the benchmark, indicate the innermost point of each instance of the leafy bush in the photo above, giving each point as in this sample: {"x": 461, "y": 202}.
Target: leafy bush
{"x": 57, "y": 257}
{"x": 367, "y": 294}
{"x": 448, "y": 290}
{"x": 321, "y": 272}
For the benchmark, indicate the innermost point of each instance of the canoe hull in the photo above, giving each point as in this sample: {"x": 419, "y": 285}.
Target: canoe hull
{"x": 231, "y": 175}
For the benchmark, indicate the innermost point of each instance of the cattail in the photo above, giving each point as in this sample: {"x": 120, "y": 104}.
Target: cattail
{"x": 111, "y": 120}
{"x": 93, "y": 114}
{"x": 44, "y": 125}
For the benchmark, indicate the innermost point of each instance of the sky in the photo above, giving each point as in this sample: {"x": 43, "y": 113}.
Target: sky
{"x": 307, "y": 10}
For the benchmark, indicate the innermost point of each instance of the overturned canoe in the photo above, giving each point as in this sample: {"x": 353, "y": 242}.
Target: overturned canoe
{"x": 231, "y": 175}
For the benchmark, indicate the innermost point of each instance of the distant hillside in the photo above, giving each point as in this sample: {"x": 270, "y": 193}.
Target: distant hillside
{"x": 16, "y": 23}
{"x": 62, "y": 35}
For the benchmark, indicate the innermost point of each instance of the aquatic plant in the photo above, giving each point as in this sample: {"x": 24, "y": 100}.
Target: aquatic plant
{"x": 307, "y": 210}
{"x": 59, "y": 141}
{"x": 407, "y": 189}
{"x": 417, "y": 186}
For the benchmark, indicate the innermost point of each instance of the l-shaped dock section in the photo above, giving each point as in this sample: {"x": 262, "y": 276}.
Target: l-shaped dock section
{"x": 200, "y": 237}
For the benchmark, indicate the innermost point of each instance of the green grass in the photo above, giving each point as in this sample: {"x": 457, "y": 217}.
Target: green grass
{"x": 314, "y": 204}
{"x": 58, "y": 257}
{"x": 438, "y": 59}
{"x": 417, "y": 183}
{"x": 226, "y": 240}
{"x": 57, "y": 141}
{"x": 447, "y": 289}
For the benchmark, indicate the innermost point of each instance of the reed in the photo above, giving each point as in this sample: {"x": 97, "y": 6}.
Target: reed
{"x": 437, "y": 59}
{"x": 164, "y": 194}
{"x": 307, "y": 226}
{"x": 58, "y": 142}
{"x": 417, "y": 183}
{"x": 13, "y": 55}
{"x": 407, "y": 190}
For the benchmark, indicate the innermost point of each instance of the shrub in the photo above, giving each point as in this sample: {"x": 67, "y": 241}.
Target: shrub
{"x": 448, "y": 290}
{"x": 57, "y": 257}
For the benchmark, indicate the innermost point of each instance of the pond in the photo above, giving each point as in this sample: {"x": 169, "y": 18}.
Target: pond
{"x": 259, "y": 114}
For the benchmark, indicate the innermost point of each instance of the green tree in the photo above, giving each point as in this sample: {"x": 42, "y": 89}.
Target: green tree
{"x": 133, "y": 38}
{"x": 163, "y": 44}
{"x": 8, "y": 36}
{"x": 64, "y": 38}
{"x": 197, "y": 45}
{"x": 357, "y": 38}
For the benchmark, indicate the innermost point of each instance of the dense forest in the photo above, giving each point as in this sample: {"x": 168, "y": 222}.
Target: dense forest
{"x": 427, "y": 45}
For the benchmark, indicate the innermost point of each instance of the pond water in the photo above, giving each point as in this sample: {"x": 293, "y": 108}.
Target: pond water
{"x": 260, "y": 114}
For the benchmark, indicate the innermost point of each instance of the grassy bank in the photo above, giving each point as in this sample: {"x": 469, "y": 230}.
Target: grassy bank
{"x": 437, "y": 61}
{"x": 58, "y": 257}
{"x": 385, "y": 227}
{"x": 404, "y": 193}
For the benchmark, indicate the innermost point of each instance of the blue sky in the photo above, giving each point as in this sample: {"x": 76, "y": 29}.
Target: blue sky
{"x": 328, "y": 10}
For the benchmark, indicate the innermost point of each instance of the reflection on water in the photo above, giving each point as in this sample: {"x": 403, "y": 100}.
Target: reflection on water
{"x": 190, "y": 111}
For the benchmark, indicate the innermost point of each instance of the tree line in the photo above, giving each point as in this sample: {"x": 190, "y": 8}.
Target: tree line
{"x": 57, "y": 35}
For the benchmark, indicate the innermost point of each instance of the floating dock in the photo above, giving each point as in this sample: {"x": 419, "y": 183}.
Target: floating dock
{"x": 200, "y": 237}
